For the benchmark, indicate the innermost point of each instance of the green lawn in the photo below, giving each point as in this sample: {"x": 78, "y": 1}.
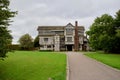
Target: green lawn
{"x": 33, "y": 65}
{"x": 112, "y": 60}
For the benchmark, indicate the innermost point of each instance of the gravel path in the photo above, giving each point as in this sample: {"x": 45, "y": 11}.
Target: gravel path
{"x": 84, "y": 68}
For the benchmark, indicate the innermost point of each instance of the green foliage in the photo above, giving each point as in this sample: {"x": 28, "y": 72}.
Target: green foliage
{"x": 5, "y": 38}
{"x": 26, "y": 42}
{"x": 33, "y": 65}
{"x": 117, "y": 20}
{"x": 104, "y": 33}
{"x": 5, "y": 13}
{"x": 117, "y": 35}
{"x": 112, "y": 60}
{"x": 5, "y": 41}
{"x": 36, "y": 41}
{"x": 14, "y": 47}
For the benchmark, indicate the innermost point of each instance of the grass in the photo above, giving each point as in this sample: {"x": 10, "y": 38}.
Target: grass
{"x": 112, "y": 60}
{"x": 33, "y": 65}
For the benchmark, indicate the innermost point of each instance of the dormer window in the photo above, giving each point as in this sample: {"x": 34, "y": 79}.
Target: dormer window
{"x": 69, "y": 31}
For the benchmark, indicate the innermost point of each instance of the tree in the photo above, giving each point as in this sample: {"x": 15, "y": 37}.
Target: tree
{"x": 5, "y": 38}
{"x": 101, "y": 33}
{"x": 26, "y": 42}
{"x": 117, "y": 23}
{"x": 104, "y": 34}
{"x": 117, "y": 20}
{"x": 36, "y": 41}
{"x": 117, "y": 29}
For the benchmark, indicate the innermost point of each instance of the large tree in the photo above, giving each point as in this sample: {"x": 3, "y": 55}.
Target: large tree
{"x": 117, "y": 29}
{"x": 117, "y": 23}
{"x": 26, "y": 42}
{"x": 5, "y": 18}
{"x": 117, "y": 20}
{"x": 104, "y": 33}
{"x": 101, "y": 33}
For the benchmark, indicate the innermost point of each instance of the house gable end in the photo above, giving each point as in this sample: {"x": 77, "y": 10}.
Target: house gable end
{"x": 69, "y": 25}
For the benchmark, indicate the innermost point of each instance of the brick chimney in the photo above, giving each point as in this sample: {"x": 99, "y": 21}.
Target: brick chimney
{"x": 76, "y": 24}
{"x": 76, "y": 38}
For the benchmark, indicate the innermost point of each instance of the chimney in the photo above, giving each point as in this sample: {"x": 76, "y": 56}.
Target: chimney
{"x": 76, "y": 23}
{"x": 76, "y": 37}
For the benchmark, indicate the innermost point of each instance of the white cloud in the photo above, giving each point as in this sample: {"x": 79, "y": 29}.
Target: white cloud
{"x": 33, "y": 13}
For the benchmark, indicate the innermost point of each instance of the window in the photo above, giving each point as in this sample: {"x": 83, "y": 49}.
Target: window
{"x": 69, "y": 31}
{"x": 69, "y": 39}
{"x": 46, "y": 39}
{"x": 48, "y": 46}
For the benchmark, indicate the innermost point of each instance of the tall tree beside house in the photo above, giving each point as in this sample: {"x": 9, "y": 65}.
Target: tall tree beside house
{"x": 101, "y": 33}
{"x": 117, "y": 20}
{"x": 26, "y": 42}
{"x": 104, "y": 33}
{"x": 5, "y": 18}
{"x": 117, "y": 29}
{"x": 36, "y": 41}
{"x": 117, "y": 23}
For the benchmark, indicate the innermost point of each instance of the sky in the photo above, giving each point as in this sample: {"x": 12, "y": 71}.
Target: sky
{"x": 34, "y": 13}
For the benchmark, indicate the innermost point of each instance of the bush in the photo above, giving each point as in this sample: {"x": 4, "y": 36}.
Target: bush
{"x": 14, "y": 47}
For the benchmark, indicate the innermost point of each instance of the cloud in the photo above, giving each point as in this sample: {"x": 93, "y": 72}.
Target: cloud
{"x": 34, "y": 13}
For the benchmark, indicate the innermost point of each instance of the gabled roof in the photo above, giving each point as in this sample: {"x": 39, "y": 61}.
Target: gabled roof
{"x": 69, "y": 25}
{"x": 57, "y": 27}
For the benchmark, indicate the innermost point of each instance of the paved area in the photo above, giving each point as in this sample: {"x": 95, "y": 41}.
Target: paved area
{"x": 84, "y": 68}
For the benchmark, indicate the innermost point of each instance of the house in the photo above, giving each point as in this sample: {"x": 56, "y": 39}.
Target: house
{"x": 62, "y": 38}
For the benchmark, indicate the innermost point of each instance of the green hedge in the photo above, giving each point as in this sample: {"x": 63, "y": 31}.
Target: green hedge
{"x": 14, "y": 47}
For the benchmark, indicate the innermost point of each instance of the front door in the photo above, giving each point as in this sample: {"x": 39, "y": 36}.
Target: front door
{"x": 69, "y": 47}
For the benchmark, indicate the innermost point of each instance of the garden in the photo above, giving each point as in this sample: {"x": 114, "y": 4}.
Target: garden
{"x": 112, "y": 60}
{"x": 33, "y": 65}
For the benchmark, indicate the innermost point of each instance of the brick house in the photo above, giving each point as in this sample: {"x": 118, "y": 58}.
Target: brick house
{"x": 62, "y": 38}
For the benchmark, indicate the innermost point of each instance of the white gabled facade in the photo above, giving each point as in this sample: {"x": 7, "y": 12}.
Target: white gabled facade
{"x": 59, "y": 38}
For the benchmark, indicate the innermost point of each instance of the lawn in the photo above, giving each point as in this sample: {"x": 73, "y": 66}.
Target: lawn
{"x": 33, "y": 65}
{"x": 112, "y": 60}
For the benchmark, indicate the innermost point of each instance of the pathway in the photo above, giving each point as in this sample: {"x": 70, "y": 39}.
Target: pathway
{"x": 84, "y": 68}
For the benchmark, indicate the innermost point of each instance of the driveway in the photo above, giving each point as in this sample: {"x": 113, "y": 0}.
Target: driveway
{"x": 84, "y": 68}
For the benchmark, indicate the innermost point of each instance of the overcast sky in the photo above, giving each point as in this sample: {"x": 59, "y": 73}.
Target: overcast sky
{"x": 34, "y": 13}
